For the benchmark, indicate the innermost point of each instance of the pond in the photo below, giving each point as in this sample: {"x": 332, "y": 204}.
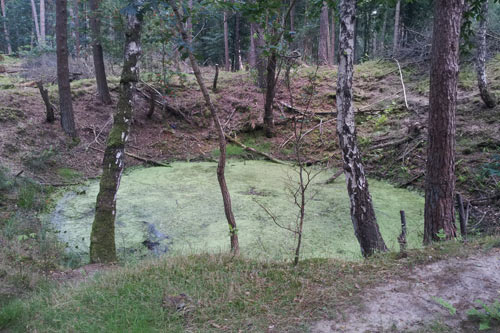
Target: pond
{"x": 179, "y": 210}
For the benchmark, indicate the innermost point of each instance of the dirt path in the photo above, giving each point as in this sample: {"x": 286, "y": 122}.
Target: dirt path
{"x": 409, "y": 304}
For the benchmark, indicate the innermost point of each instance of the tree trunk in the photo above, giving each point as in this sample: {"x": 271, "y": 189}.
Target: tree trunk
{"x": 488, "y": 98}
{"x": 362, "y": 212}
{"x": 252, "y": 54}
{"x": 440, "y": 169}
{"x": 233, "y": 231}
{"x": 331, "y": 52}
{"x": 5, "y": 29}
{"x": 49, "y": 108}
{"x": 270, "y": 92}
{"x": 292, "y": 16}
{"x": 324, "y": 35}
{"x": 237, "y": 50}
{"x": 76, "y": 20}
{"x": 65, "y": 104}
{"x": 97, "y": 53}
{"x": 382, "y": 34}
{"x": 42, "y": 22}
{"x": 261, "y": 60}
{"x": 395, "y": 41}
{"x": 102, "y": 239}
{"x": 226, "y": 44}
{"x": 189, "y": 22}
{"x": 35, "y": 20}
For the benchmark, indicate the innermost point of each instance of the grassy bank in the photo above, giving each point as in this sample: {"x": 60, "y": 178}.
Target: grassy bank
{"x": 222, "y": 293}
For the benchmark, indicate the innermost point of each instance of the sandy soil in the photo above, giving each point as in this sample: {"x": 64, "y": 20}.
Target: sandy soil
{"x": 410, "y": 303}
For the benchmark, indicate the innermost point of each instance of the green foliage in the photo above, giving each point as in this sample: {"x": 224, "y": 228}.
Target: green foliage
{"x": 448, "y": 306}
{"x": 488, "y": 316}
{"x": 40, "y": 160}
{"x": 69, "y": 174}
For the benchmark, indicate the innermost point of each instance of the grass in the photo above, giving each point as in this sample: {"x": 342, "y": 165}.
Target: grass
{"x": 69, "y": 174}
{"x": 28, "y": 249}
{"x": 255, "y": 142}
{"x": 226, "y": 293}
{"x": 467, "y": 79}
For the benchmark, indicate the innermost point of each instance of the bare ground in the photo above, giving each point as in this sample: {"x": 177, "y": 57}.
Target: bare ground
{"x": 410, "y": 303}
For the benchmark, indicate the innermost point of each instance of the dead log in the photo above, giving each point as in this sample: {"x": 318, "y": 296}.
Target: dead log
{"x": 402, "y": 237}
{"x": 462, "y": 216}
{"x": 253, "y": 150}
{"x": 415, "y": 178}
{"x": 143, "y": 159}
{"x": 216, "y": 77}
{"x": 175, "y": 112}
{"x": 49, "y": 107}
{"x": 334, "y": 177}
{"x": 293, "y": 109}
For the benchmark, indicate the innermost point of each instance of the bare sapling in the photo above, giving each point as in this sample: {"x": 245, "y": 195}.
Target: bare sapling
{"x": 298, "y": 185}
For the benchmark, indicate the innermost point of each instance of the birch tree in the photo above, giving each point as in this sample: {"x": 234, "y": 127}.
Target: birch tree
{"x": 362, "y": 212}
{"x": 5, "y": 29}
{"x": 102, "y": 238}
{"x": 488, "y": 98}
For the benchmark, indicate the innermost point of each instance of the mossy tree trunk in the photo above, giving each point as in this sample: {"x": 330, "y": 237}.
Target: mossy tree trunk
{"x": 226, "y": 198}
{"x": 362, "y": 212}
{"x": 102, "y": 238}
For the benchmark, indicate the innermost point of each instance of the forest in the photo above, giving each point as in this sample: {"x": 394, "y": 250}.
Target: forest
{"x": 249, "y": 166}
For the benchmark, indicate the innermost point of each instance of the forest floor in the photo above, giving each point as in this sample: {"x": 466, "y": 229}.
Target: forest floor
{"x": 434, "y": 297}
{"x": 392, "y": 138}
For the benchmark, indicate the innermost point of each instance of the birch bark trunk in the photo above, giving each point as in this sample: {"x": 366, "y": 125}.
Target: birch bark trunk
{"x": 102, "y": 238}
{"x": 488, "y": 98}
{"x": 5, "y": 29}
{"x": 42, "y": 22}
{"x": 35, "y": 20}
{"x": 362, "y": 212}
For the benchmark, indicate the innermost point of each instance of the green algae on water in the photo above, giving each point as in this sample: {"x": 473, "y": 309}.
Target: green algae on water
{"x": 184, "y": 203}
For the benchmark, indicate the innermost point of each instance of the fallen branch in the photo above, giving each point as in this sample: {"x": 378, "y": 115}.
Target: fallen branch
{"x": 163, "y": 105}
{"x": 143, "y": 159}
{"x": 402, "y": 83}
{"x": 391, "y": 143}
{"x": 412, "y": 180}
{"x": 294, "y": 109}
{"x": 334, "y": 177}
{"x": 255, "y": 151}
{"x": 306, "y": 132}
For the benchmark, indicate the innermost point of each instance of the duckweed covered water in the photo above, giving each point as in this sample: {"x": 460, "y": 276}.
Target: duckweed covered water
{"x": 184, "y": 204}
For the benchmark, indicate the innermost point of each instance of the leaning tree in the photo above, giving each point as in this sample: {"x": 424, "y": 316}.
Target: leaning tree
{"x": 102, "y": 238}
